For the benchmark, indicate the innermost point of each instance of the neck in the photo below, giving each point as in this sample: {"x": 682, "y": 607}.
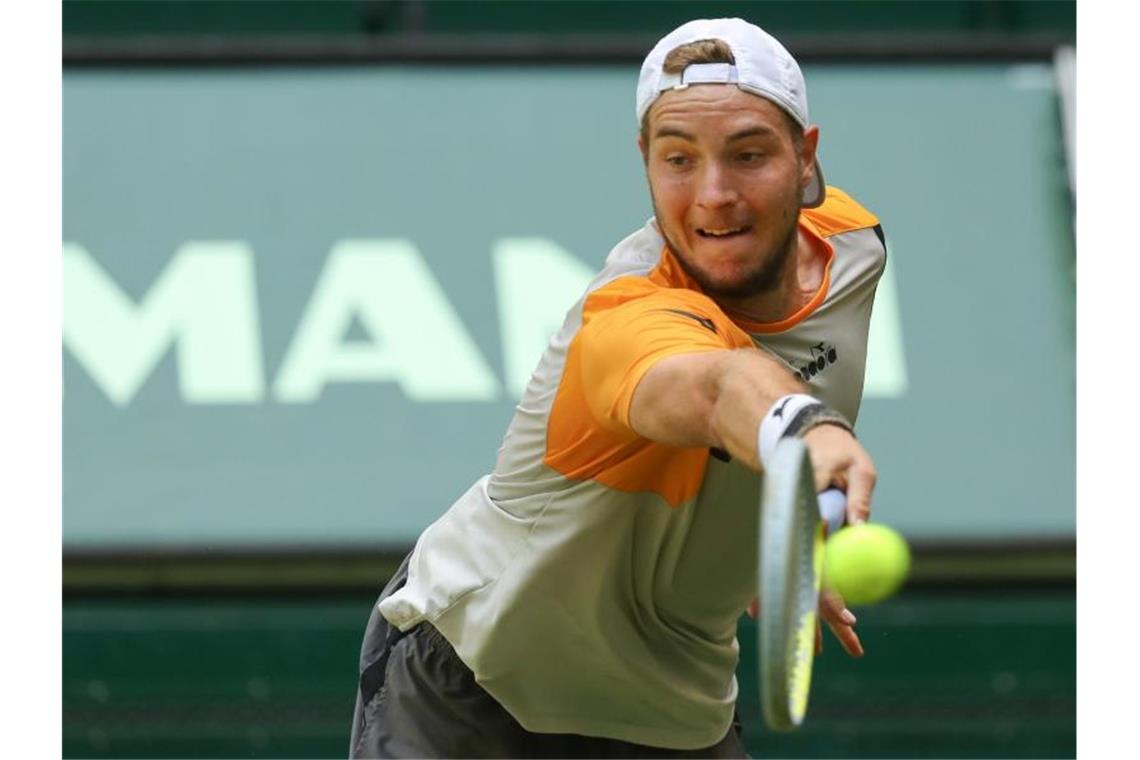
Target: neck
{"x": 799, "y": 281}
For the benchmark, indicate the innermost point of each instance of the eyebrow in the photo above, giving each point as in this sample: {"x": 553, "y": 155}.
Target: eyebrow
{"x": 757, "y": 131}
{"x": 674, "y": 132}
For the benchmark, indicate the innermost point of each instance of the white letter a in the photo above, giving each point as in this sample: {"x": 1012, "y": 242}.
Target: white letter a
{"x": 419, "y": 340}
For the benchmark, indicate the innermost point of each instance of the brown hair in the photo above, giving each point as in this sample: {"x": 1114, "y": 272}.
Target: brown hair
{"x": 701, "y": 51}
{"x": 710, "y": 51}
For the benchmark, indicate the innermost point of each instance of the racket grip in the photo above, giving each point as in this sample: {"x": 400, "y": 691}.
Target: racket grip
{"x": 833, "y": 509}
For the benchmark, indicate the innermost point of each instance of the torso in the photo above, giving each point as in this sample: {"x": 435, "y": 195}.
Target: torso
{"x": 577, "y": 579}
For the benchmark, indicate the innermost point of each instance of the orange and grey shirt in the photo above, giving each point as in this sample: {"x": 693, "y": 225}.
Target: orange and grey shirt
{"x": 593, "y": 581}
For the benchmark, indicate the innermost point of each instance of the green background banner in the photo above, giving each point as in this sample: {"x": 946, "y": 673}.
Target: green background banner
{"x": 954, "y": 675}
{"x": 299, "y": 303}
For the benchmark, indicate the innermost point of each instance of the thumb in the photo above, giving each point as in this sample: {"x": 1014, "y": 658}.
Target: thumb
{"x": 860, "y": 485}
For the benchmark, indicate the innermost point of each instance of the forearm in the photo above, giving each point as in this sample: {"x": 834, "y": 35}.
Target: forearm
{"x": 714, "y": 399}
{"x": 720, "y": 398}
{"x": 748, "y": 384}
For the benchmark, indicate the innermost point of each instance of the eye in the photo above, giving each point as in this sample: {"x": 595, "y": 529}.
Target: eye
{"x": 750, "y": 157}
{"x": 677, "y": 161}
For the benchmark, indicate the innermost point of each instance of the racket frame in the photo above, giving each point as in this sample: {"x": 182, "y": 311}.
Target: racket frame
{"x": 791, "y": 547}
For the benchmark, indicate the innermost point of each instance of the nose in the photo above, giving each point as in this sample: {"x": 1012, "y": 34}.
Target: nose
{"x": 716, "y": 189}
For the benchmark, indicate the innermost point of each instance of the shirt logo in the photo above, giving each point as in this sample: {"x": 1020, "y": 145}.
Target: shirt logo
{"x": 823, "y": 355}
{"x": 705, "y": 322}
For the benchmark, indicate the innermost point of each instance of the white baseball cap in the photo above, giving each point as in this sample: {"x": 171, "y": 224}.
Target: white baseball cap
{"x": 763, "y": 67}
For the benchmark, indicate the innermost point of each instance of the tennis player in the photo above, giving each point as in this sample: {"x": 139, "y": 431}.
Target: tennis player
{"x": 582, "y": 599}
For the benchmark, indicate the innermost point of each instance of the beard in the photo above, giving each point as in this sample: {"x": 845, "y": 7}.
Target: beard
{"x": 765, "y": 277}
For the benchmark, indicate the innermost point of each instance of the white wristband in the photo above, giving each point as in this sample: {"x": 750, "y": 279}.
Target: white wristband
{"x": 777, "y": 419}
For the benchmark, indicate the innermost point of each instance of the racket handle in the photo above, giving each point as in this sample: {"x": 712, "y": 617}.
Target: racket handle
{"x": 833, "y": 509}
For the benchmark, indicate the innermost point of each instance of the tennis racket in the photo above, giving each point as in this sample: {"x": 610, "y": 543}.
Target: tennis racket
{"x": 791, "y": 562}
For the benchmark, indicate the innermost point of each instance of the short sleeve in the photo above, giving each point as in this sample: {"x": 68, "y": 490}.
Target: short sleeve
{"x": 619, "y": 345}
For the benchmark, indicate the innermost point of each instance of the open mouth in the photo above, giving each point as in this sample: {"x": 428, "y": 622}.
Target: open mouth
{"x": 723, "y": 233}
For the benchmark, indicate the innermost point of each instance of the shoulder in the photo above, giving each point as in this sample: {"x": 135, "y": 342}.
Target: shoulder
{"x": 642, "y": 288}
{"x": 853, "y": 231}
{"x": 635, "y": 315}
{"x": 840, "y": 213}
{"x": 857, "y": 239}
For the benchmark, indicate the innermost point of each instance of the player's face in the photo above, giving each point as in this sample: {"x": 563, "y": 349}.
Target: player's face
{"x": 726, "y": 179}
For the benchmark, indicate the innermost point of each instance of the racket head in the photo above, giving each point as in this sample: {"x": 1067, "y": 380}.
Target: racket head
{"x": 790, "y": 567}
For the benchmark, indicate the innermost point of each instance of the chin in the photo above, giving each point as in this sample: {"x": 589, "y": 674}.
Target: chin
{"x": 727, "y": 286}
{"x": 734, "y": 273}
{"x": 728, "y": 271}
{"x": 735, "y": 289}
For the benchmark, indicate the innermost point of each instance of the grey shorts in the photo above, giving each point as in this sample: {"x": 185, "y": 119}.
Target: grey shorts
{"x": 416, "y": 698}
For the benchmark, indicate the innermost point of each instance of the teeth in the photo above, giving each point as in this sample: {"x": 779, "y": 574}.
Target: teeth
{"x": 722, "y": 233}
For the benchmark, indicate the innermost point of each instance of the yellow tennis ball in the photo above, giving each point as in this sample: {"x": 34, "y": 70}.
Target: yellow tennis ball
{"x": 865, "y": 563}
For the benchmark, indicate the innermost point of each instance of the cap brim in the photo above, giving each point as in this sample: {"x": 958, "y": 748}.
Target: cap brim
{"x": 816, "y": 191}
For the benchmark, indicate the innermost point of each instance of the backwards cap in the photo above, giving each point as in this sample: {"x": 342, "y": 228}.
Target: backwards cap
{"x": 763, "y": 67}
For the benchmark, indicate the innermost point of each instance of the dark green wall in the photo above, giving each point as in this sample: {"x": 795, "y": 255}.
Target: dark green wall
{"x": 338, "y": 17}
{"x": 947, "y": 674}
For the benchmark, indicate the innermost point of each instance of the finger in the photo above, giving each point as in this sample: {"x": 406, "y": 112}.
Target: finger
{"x": 824, "y": 467}
{"x": 841, "y": 621}
{"x": 848, "y": 639}
{"x": 834, "y": 608}
{"x": 860, "y": 486}
{"x": 829, "y": 477}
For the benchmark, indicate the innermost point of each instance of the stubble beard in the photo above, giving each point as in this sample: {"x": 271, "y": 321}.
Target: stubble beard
{"x": 764, "y": 279}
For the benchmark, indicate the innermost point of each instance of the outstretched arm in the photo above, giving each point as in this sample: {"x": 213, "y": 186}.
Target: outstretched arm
{"x": 719, "y": 398}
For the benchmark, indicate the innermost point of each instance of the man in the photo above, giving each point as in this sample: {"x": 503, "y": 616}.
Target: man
{"x": 583, "y": 598}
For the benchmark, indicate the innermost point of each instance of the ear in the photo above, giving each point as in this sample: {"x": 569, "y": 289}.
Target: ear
{"x": 811, "y": 142}
{"x": 643, "y": 148}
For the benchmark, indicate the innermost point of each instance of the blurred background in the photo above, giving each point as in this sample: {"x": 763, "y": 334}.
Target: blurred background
{"x": 312, "y": 251}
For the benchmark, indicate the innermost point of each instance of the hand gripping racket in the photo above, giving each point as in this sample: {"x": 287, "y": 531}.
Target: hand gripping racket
{"x": 791, "y": 562}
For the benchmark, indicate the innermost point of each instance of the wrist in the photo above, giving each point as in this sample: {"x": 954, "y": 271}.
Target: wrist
{"x": 794, "y": 415}
{"x": 812, "y": 417}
